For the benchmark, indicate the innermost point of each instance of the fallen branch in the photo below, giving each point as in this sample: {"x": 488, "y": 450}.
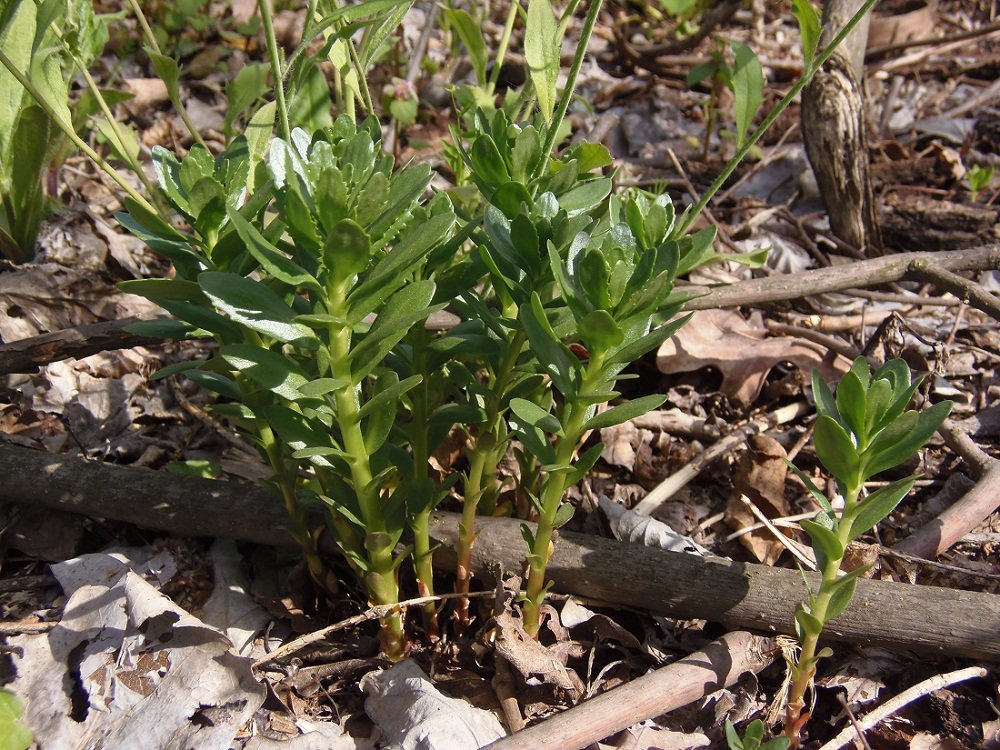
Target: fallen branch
{"x": 718, "y": 665}
{"x": 673, "y": 584}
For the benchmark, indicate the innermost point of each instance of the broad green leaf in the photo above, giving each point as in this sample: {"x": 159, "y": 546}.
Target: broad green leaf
{"x": 826, "y": 404}
{"x": 525, "y": 154}
{"x": 535, "y": 415}
{"x": 541, "y": 52}
{"x": 623, "y": 413}
{"x": 892, "y": 455}
{"x": 254, "y": 305}
{"x": 347, "y": 249}
{"x": 273, "y": 260}
{"x": 215, "y": 382}
{"x": 563, "y": 515}
{"x": 825, "y": 543}
{"x": 535, "y": 442}
{"x": 168, "y": 71}
{"x": 509, "y": 197}
{"x": 584, "y": 464}
{"x": 897, "y": 373}
{"x": 555, "y": 357}
{"x": 380, "y": 419}
{"x": 808, "y": 623}
{"x": 809, "y": 28}
{"x": 301, "y": 434}
{"x": 843, "y": 591}
{"x": 270, "y": 370}
{"x": 873, "y": 509}
{"x": 732, "y": 738}
{"x": 322, "y": 386}
{"x": 584, "y": 197}
{"x": 748, "y": 86}
{"x": 472, "y": 37}
{"x": 835, "y": 450}
{"x": 851, "y": 403}
{"x": 403, "y": 310}
{"x": 599, "y": 331}
{"x": 258, "y": 133}
{"x": 815, "y": 491}
{"x": 488, "y": 163}
{"x": 631, "y": 351}
{"x": 246, "y": 88}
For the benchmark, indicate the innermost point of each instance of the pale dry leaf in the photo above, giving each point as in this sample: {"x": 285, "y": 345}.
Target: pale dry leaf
{"x": 724, "y": 340}
{"x": 621, "y": 443}
{"x": 146, "y": 668}
{"x": 628, "y": 526}
{"x": 529, "y": 657}
{"x": 759, "y": 474}
{"x": 650, "y": 737}
{"x": 414, "y": 715}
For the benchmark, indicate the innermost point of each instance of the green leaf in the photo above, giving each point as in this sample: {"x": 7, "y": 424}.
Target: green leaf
{"x": 168, "y": 71}
{"x": 535, "y": 415}
{"x": 815, "y": 491}
{"x": 599, "y": 331}
{"x": 268, "y": 369}
{"x": 13, "y": 734}
{"x": 843, "y": 591}
{"x": 732, "y": 738}
{"x": 246, "y": 88}
{"x": 825, "y": 543}
{"x": 162, "y": 328}
{"x": 809, "y": 28}
{"x": 808, "y": 623}
{"x": 534, "y": 440}
{"x": 563, "y": 515}
{"x": 387, "y": 393}
{"x": 623, "y": 413}
{"x": 177, "y": 289}
{"x": 488, "y": 163}
{"x": 322, "y": 386}
{"x": 215, "y": 383}
{"x": 258, "y": 134}
{"x": 402, "y": 311}
{"x": 835, "y": 450}
{"x": 273, "y": 260}
{"x": 873, "y": 509}
{"x": 347, "y": 249}
{"x": 472, "y": 37}
{"x": 748, "y": 86}
{"x": 541, "y": 52}
{"x": 584, "y": 197}
{"x": 631, "y": 351}
{"x": 851, "y": 403}
{"x": 584, "y": 464}
{"x": 254, "y": 305}
{"x": 303, "y": 437}
{"x": 928, "y": 423}
{"x": 826, "y": 404}
{"x": 554, "y": 356}
{"x": 509, "y": 197}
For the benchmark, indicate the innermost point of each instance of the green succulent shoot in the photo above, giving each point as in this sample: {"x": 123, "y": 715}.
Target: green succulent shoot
{"x": 863, "y": 430}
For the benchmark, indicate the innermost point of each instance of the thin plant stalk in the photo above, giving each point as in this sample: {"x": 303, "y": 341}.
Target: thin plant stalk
{"x": 70, "y": 133}
{"x": 553, "y": 488}
{"x": 508, "y": 30}
{"x": 273, "y": 53}
{"x": 689, "y": 216}
{"x": 489, "y": 446}
{"x": 581, "y": 52}
{"x": 147, "y": 32}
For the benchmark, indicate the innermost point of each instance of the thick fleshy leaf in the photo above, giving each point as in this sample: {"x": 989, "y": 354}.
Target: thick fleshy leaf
{"x": 270, "y": 370}
{"x": 403, "y": 310}
{"x": 623, "y": 413}
{"x": 825, "y": 543}
{"x": 843, "y": 591}
{"x": 807, "y": 624}
{"x": 273, "y": 260}
{"x": 851, "y": 403}
{"x": 535, "y": 415}
{"x": 488, "y": 162}
{"x": 559, "y": 362}
{"x": 322, "y": 386}
{"x": 564, "y": 515}
{"x": 599, "y": 331}
{"x": 928, "y": 422}
{"x": 254, "y": 305}
{"x": 826, "y": 404}
{"x": 878, "y": 505}
{"x": 835, "y": 450}
{"x": 389, "y": 392}
{"x": 815, "y": 491}
{"x": 534, "y": 440}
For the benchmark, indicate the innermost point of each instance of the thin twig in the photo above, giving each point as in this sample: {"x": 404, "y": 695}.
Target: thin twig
{"x": 790, "y": 544}
{"x": 669, "y": 486}
{"x": 902, "y": 700}
{"x": 373, "y": 613}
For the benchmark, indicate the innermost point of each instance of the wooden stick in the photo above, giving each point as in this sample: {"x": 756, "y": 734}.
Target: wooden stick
{"x": 718, "y": 665}
{"x": 894, "y": 615}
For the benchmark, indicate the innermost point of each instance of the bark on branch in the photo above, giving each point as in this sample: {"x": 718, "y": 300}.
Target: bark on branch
{"x": 945, "y": 621}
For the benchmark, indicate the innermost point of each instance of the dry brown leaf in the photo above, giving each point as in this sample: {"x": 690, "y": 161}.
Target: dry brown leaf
{"x": 760, "y": 475}
{"x": 722, "y": 339}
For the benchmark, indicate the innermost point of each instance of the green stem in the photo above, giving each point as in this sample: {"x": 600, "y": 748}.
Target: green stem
{"x": 481, "y": 478}
{"x": 423, "y": 558}
{"x": 147, "y": 32}
{"x": 362, "y": 76}
{"x": 805, "y": 668}
{"x": 787, "y": 99}
{"x": 272, "y": 52}
{"x": 553, "y": 489}
{"x": 581, "y": 52}
{"x": 508, "y": 30}
{"x": 67, "y": 129}
{"x": 381, "y": 579}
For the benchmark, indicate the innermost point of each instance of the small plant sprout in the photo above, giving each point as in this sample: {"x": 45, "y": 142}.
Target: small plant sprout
{"x": 865, "y": 430}
{"x": 979, "y": 179}
{"x": 753, "y": 739}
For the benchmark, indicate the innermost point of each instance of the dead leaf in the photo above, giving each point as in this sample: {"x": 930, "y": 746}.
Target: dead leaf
{"x": 759, "y": 474}
{"x": 629, "y": 526}
{"x": 413, "y": 714}
{"x": 529, "y": 657}
{"x": 621, "y": 443}
{"x": 722, "y": 339}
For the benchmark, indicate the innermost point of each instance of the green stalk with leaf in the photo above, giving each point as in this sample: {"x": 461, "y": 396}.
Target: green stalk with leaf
{"x": 864, "y": 430}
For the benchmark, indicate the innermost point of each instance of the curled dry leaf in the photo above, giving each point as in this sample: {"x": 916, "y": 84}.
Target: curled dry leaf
{"x": 722, "y": 339}
{"x": 629, "y": 526}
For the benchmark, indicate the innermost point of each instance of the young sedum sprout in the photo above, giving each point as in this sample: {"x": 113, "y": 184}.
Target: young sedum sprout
{"x": 862, "y": 431}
